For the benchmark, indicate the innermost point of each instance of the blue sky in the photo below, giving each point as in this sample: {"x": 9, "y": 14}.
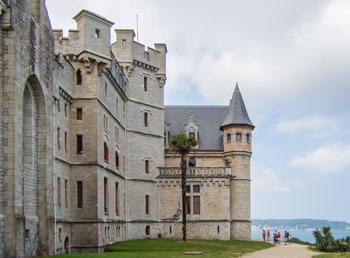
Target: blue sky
{"x": 292, "y": 62}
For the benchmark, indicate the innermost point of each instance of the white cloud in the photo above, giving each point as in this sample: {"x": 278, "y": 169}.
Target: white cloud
{"x": 314, "y": 124}
{"x": 266, "y": 180}
{"x": 327, "y": 159}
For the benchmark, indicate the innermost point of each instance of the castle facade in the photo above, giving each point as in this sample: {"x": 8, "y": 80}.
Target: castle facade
{"x": 85, "y": 159}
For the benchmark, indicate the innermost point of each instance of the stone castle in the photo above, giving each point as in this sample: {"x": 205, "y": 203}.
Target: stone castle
{"x": 85, "y": 159}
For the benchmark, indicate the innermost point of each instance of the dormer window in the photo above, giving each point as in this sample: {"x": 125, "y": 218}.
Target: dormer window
{"x": 192, "y": 129}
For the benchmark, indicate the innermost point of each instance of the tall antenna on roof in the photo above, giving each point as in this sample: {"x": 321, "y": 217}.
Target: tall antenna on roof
{"x": 137, "y": 27}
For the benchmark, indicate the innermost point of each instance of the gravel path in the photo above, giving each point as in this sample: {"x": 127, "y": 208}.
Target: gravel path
{"x": 283, "y": 251}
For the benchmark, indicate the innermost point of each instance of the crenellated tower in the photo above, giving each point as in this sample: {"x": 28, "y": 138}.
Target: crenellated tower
{"x": 237, "y": 141}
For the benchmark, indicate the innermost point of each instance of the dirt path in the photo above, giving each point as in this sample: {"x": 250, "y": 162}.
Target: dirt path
{"x": 283, "y": 251}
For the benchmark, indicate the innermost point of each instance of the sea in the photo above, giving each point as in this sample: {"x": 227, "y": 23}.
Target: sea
{"x": 304, "y": 235}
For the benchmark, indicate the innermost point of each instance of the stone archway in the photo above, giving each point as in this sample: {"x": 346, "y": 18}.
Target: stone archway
{"x": 66, "y": 246}
{"x": 34, "y": 133}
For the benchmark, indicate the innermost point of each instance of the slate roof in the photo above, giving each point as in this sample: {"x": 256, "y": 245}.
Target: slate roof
{"x": 209, "y": 119}
{"x": 237, "y": 114}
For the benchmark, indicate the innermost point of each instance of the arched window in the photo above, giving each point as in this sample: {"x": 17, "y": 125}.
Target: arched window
{"x": 148, "y": 230}
{"x": 79, "y": 77}
{"x": 105, "y": 151}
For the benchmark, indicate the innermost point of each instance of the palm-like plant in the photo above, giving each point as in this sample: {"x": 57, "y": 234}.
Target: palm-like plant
{"x": 183, "y": 144}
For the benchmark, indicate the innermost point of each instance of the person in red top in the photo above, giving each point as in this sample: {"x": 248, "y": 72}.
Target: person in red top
{"x": 268, "y": 235}
{"x": 264, "y": 235}
{"x": 279, "y": 237}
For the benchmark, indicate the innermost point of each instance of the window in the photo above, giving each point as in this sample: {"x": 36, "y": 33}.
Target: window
{"x": 79, "y": 114}
{"x": 148, "y": 230}
{"x": 79, "y": 77}
{"x": 124, "y": 42}
{"x": 65, "y": 141}
{"x": 218, "y": 229}
{"x": 97, "y": 33}
{"x": 105, "y": 122}
{"x": 65, "y": 110}
{"x": 196, "y": 189}
{"x": 79, "y": 194}
{"x": 58, "y": 138}
{"x": 116, "y": 106}
{"x": 79, "y": 144}
{"x": 105, "y": 151}
{"x": 192, "y": 162}
{"x": 196, "y": 205}
{"x": 188, "y": 188}
{"x": 147, "y": 166}
{"x": 188, "y": 205}
{"x": 145, "y": 119}
{"x": 66, "y": 192}
{"x": 117, "y": 198}
{"x": 247, "y": 137}
{"x": 238, "y": 137}
{"x": 145, "y": 83}
{"x": 228, "y": 136}
{"x": 59, "y": 191}
{"x": 147, "y": 204}
{"x": 105, "y": 191}
{"x": 58, "y": 106}
{"x": 192, "y": 134}
{"x": 116, "y": 159}
{"x": 170, "y": 230}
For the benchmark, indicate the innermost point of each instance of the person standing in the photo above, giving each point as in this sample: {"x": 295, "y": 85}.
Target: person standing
{"x": 268, "y": 235}
{"x": 279, "y": 237}
{"x": 264, "y": 235}
{"x": 286, "y": 235}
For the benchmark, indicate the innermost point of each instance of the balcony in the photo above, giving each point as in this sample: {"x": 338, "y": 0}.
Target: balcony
{"x": 165, "y": 172}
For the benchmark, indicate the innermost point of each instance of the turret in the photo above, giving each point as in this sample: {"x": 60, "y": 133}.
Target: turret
{"x": 237, "y": 129}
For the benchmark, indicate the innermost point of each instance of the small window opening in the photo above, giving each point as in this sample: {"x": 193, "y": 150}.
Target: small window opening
{"x": 79, "y": 77}
{"x": 188, "y": 188}
{"x": 247, "y": 137}
{"x": 192, "y": 134}
{"x": 58, "y": 138}
{"x": 146, "y": 119}
{"x": 60, "y": 234}
{"x": 218, "y": 229}
{"x": 66, "y": 141}
{"x": 79, "y": 144}
{"x": 124, "y": 42}
{"x": 148, "y": 230}
{"x": 228, "y": 137}
{"x": 79, "y": 114}
{"x": 170, "y": 230}
{"x": 147, "y": 204}
{"x": 147, "y": 166}
{"x": 145, "y": 83}
{"x": 116, "y": 198}
{"x": 66, "y": 110}
{"x": 238, "y": 137}
{"x": 79, "y": 194}
{"x": 116, "y": 159}
{"x": 105, "y": 188}
{"x": 97, "y": 33}
{"x": 196, "y": 205}
{"x": 27, "y": 233}
{"x": 105, "y": 151}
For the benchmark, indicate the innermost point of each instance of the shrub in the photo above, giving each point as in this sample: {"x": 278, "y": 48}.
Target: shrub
{"x": 326, "y": 242}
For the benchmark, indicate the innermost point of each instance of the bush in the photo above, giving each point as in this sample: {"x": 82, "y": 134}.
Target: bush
{"x": 326, "y": 242}
{"x": 298, "y": 241}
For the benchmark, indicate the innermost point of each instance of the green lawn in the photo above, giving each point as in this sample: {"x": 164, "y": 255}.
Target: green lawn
{"x": 328, "y": 255}
{"x": 173, "y": 248}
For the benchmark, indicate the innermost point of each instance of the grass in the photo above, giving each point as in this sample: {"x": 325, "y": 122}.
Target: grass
{"x": 172, "y": 248}
{"x": 328, "y": 255}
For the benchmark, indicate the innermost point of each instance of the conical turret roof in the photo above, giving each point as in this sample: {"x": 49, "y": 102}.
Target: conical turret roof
{"x": 237, "y": 113}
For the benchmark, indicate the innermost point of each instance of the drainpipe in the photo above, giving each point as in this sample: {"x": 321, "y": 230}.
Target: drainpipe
{"x": 125, "y": 171}
{"x": 54, "y": 173}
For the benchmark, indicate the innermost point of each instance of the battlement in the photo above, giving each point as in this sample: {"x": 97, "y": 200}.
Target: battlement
{"x": 129, "y": 51}
{"x": 93, "y": 35}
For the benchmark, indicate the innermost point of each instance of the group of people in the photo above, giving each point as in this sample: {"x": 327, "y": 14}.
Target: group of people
{"x": 277, "y": 236}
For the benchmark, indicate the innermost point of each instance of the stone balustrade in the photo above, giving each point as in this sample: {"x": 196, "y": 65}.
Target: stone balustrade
{"x": 195, "y": 172}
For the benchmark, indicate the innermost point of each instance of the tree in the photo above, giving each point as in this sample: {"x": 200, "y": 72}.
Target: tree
{"x": 183, "y": 144}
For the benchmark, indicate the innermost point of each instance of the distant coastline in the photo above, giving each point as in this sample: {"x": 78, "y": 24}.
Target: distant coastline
{"x": 298, "y": 224}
